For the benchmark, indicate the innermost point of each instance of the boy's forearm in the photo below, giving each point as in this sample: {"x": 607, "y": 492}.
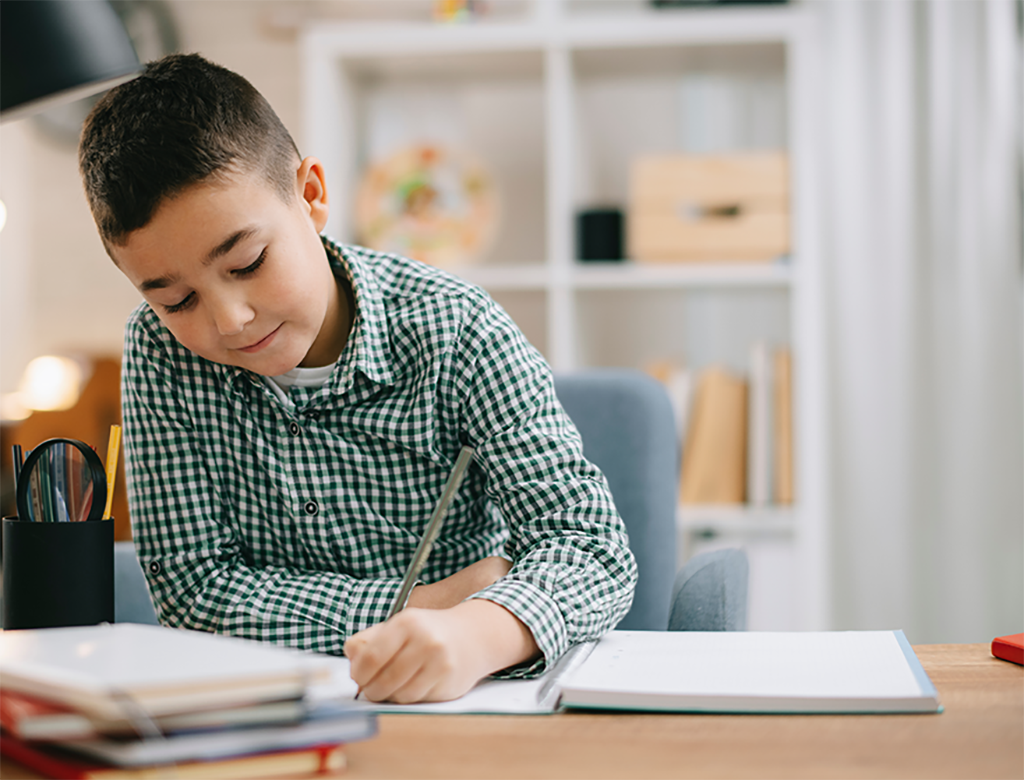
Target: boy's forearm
{"x": 461, "y": 585}
{"x": 503, "y": 639}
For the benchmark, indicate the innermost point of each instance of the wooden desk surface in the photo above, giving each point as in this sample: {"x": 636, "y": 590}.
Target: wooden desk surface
{"x": 979, "y": 735}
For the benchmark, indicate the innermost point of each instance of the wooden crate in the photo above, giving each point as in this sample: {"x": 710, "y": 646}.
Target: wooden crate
{"x": 709, "y": 208}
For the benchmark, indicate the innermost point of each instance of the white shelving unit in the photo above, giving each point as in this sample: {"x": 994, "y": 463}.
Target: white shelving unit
{"x": 557, "y": 101}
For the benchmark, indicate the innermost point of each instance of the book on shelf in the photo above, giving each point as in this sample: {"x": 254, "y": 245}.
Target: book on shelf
{"x": 678, "y": 383}
{"x": 54, "y": 762}
{"x": 759, "y": 421}
{"x": 736, "y": 430}
{"x": 715, "y": 453}
{"x": 782, "y": 370}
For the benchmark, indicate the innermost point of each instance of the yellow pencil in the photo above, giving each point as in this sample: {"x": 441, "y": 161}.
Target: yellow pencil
{"x": 113, "y": 448}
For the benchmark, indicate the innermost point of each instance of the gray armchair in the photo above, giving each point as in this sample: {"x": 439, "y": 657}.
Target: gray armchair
{"x": 628, "y": 430}
{"x": 132, "y": 603}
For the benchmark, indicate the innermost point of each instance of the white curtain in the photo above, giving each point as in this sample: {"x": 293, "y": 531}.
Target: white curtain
{"x": 920, "y": 162}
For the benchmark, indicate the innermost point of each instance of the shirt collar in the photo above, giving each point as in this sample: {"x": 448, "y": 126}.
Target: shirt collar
{"x": 369, "y": 344}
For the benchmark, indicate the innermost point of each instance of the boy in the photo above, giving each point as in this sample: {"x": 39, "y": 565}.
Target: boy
{"x": 293, "y": 407}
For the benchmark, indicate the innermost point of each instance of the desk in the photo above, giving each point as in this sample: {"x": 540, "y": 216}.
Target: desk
{"x": 980, "y": 734}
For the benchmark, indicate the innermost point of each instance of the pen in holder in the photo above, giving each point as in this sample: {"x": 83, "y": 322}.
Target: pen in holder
{"x": 58, "y": 553}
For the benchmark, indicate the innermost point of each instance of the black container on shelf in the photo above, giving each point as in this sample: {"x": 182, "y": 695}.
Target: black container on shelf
{"x": 599, "y": 235}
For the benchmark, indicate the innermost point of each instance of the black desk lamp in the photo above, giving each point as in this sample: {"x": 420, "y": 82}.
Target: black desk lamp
{"x": 55, "y": 51}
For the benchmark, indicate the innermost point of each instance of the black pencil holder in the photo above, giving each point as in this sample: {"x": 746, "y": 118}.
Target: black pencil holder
{"x": 57, "y": 574}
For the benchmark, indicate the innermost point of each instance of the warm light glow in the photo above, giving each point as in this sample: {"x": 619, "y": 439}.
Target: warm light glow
{"x": 50, "y": 384}
{"x": 12, "y": 407}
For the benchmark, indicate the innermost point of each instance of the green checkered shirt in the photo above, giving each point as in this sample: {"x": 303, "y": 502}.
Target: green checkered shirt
{"x": 294, "y": 523}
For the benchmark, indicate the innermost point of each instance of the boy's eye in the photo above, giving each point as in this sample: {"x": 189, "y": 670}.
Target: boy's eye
{"x": 183, "y": 304}
{"x": 251, "y": 269}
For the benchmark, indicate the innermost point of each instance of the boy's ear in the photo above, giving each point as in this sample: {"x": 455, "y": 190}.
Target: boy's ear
{"x": 311, "y": 188}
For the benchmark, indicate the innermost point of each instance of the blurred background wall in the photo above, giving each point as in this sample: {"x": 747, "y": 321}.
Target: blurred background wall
{"x": 917, "y": 137}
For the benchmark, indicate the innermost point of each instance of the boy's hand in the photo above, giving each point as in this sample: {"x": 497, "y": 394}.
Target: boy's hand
{"x": 437, "y": 654}
{"x": 461, "y": 585}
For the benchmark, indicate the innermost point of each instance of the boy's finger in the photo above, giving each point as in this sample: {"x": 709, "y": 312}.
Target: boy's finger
{"x": 427, "y": 676}
{"x": 369, "y": 651}
{"x": 395, "y": 674}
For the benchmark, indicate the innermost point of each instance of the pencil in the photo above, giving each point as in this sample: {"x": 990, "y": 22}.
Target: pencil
{"x": 426, "y": 544}
{"x": 19, "y": 460}
{"x": 113, "y": 449}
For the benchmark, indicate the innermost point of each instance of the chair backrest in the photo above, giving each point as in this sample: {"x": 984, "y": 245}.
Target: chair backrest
{"x": 629, "y": 431}
{"x": 131, "y": 594}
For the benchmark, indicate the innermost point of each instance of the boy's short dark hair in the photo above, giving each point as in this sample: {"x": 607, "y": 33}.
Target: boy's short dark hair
{"x": 183, "y": 120}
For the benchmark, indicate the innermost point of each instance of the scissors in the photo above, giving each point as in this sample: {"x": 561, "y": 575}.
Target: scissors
{"x": 61, "y": 480}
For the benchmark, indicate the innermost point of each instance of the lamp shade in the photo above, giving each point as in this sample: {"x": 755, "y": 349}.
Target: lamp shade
{"x": 60, "y": 50}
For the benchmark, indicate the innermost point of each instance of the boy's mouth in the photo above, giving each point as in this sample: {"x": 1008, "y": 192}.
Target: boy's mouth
{"x": 263, "y": 342}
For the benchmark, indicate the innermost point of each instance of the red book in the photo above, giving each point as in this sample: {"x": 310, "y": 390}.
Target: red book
{"x": 1009, "y": 648}
{"x": 31, "y": 718}
{"x": 19, "y": 715}
{"x": 50, "y": 762}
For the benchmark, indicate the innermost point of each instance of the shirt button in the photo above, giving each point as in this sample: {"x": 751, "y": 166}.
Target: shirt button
{"x": 311, "y": 508}
{"x": 293, "y": 428}
{"x": 155, "y": 567}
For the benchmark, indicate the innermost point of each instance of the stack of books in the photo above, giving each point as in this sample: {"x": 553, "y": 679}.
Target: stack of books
{"x": 133, "y": 701}
{"x": 736, "y": 430}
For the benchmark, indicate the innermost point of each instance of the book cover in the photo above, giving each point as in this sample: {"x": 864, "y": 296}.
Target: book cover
{"x": 55, "y": 763}
{"x": 31, "y": 718}
{"x": 329, "y": 722}
{"x": 91, "y": 669}
{"x": 715, "y": 456}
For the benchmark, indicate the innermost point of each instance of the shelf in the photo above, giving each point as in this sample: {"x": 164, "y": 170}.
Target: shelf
{"x": 735, "y": 520}
{"x": 681, "y": 27}
{"x": 520, "y": 278}
{"x": 559, "y": 100}
{"x": 605, "y": 276}
{"x": 630, "y": 276}
{"x": 643, "y": 27}
{"x": 385, "y": 41}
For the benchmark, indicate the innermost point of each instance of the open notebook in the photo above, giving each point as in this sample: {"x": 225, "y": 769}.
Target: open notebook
{"x": 739, "y": 672}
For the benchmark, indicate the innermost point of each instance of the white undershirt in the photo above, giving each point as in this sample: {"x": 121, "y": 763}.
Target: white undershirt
{"x": 298, "y": 377}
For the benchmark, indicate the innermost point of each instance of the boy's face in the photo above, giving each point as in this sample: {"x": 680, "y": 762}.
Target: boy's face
{"x": 239, "y": 276}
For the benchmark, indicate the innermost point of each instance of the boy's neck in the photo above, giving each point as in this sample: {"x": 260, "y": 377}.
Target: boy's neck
{"x": 336, "y": 328}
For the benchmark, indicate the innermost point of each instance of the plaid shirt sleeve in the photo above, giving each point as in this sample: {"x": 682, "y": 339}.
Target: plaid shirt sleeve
{"x": 573, "y": 574}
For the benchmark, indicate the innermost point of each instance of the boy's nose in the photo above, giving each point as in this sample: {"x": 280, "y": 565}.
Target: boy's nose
{"x": 231, "y": 316}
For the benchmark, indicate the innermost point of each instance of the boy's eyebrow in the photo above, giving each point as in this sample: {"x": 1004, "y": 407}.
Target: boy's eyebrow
{"x": 228, "y": 243}
{"x": 220, "y": 250}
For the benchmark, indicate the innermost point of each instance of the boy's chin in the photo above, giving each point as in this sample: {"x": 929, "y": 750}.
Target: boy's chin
{"x": 275, "y": 369}
{"x": 267, "y": 365}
